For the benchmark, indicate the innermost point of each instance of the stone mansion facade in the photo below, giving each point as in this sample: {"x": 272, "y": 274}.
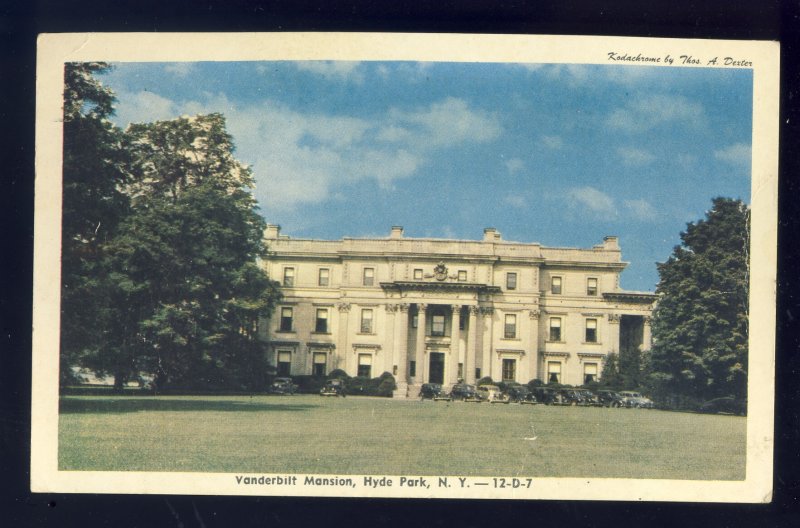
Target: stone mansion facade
{"x": 444, "y": 311}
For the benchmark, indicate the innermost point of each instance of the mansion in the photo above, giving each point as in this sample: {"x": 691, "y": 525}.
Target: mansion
{"x": 444, "y": 311}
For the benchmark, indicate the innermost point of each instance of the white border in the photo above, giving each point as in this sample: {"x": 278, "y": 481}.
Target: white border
{"x": 55, "y": 50}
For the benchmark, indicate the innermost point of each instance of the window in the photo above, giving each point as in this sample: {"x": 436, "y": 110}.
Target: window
{"x": 366, "y": 321}
{"x": 320, "y": 364}
{"x": 462, "y": 275}
{"x": 412, "y": 368}
{"x": 460, "y": 371}
{"x": 555, "y": 285}
{"x": 591, "y": 330}
{"x": 286, "y": 319}
{"x": 511, "y": 326}
{"x": 591, "y": 286}
{"x": 321, "y": 325}
{"x": 288, "y": 277}
{"x": 417, "y": 274}
{"x": 511, "y": 280}
{"x": 477, "y": 373}
{"x": 509, "y": 369}
{"x": 324, "y": 277}
{"x": 589, "y": 372}
{"x": 553, "y": 372}
{"x": 437, "y": 325}
{"x": 369, "y": 276}
{"x": 414, "y": 320}
{"x": 284, "y": 363}
{"x": 364, "y": 365}
{"x": 555, "y": 329}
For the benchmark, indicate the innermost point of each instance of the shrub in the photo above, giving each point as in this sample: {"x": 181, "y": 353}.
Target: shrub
{"x": 338, "y": 374}
{"x": 383, "y": 386}
{"x": 486, "y": 380}
{"x": 308, "y": 384}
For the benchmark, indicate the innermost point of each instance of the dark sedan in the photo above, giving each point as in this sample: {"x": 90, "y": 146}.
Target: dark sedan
{"x": 725, "y": 405}
{"x": 433, "y": 391}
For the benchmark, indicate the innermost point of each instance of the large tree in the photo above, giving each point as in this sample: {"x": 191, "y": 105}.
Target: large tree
{"x": 186, "y": 279}
{"x": 93, "y": 205}
{"x": 700, "y": 325}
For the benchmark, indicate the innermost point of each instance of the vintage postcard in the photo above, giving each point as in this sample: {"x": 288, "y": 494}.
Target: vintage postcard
{"x": 395, "y": 265}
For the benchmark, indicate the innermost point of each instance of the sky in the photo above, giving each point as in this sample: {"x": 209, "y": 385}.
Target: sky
{"x": 559, "y": 154}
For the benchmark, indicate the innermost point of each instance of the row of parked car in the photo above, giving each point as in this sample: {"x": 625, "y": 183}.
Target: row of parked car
{"x": 515, "y": 393}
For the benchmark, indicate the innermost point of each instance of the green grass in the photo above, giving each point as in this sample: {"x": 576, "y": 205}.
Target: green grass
{"x": 310, "y": 434}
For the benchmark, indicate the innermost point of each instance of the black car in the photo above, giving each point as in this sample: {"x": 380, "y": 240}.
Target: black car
{"x": 572, "y": 397}
{"x": 610, "y": 398}
{"x": 464, "y": 392}
{"x": 547, "y": 396}
{"x": 725, "y": 405}
{"x": 520, "y": 394}
{"x": 333, "y": 387}
{"x": 590, "y": 399}
{"x": 433, "y": 391}
{"x": 282, "y": 386}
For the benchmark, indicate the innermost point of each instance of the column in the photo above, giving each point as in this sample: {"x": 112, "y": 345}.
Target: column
{"x": 488, "y": 332}
{"x": 341, "y": 340}
{"x": 420, "y": 353}
{"x": 470, "y": 354}
{"x": 455, "y": 338}
{"x": 389, "y": 346}
{"x": 533, "y": 352}
{"x": 401, "y": 346}
{"x": 613, "y": 330}
{"x": 647, "y": 334}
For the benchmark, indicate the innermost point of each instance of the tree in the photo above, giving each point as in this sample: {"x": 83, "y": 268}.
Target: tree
{"x": 93, "y": 206}
{"x": 610, "y": 377}
{"x": 700, "y": 325}
{"x": 185, "y": 260}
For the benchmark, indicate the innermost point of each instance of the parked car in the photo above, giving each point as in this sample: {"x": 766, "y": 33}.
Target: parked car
{"x": 333, "y": 387}
{"x": 724, "y": 405}
{"x": 282, "y": 386}
{"x": 547, "y": 396}
{"x": 433, "y": 391}
{"x": 464, "y": 392}
{"x": 609, "y": 398}
{"x": 520, "y": 394}
{"x": 492, "y": 394}
{"x": 590, "y": 399}
{"x": 573, "y": 397}
{"x": 635, "y": 399}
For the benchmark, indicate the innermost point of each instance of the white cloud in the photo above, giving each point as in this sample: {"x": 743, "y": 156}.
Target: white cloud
{"x": 653, "y": 110}
{"x": 514, "y": 165}
{"x": 552, "y": 142}
{"x": 446, "y": 123}
{"x": 641, "y": 209}
{"x": 635, "y": 157}
{"x": 304, "y": 157}
{"x": 339, "y": 70}
{"x": 143, "y": 107}
{"x": 515, "y": 200}
{"x": 179, "y": 69}
{"x": 591, "y": 199}
{"x": 738, "y": 154}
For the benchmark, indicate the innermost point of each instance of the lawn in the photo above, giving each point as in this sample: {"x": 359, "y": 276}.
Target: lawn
{"x": 310, "y": 434}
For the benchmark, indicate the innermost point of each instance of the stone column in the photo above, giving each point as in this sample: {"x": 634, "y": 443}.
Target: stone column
{"x": 401, "y": 346}
{"x": 342, "y": 361}
{"x": 613, "y": 330}
{"x": 488, "y": 334}
{"x": 472, "y": 346}
{"x": 389, "y": 345}
{"x": 420, "y": 352}
{"x": 533, "y": 352}
{"x": 647, "y": 334}
{"x": 455, "y": 338}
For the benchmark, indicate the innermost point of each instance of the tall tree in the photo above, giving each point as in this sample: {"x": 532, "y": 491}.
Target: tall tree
{"x": 186, "y": 258}
{"x": 93, "y": 206}
{"x": 700, "y": 325}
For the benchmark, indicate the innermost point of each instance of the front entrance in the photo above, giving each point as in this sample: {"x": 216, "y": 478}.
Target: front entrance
{"x": 436, "y": 370}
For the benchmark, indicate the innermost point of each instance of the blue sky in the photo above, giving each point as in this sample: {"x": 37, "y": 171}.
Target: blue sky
{"x": 557, "y": 154}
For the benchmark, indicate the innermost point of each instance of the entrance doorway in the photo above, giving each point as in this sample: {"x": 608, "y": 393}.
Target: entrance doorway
{"x": 436, "y": 370}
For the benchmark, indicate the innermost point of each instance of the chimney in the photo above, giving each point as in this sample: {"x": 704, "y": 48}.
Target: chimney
{"x": 490, "y": 234}
{"x": 397, "y": 232}
{"x": 272, "y": 232}
{"x": 611, "y": 243}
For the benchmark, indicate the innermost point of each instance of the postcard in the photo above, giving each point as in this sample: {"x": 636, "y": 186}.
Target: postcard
{"x": 405, "y": 265}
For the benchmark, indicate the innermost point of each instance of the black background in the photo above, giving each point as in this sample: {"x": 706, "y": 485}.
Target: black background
{"x": 21, "y": 21}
